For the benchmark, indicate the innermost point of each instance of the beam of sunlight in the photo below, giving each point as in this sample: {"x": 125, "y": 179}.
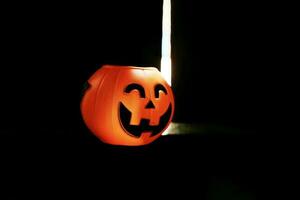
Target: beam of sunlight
{"x": 166, "y": 62}
{"x": 202, "y": 129}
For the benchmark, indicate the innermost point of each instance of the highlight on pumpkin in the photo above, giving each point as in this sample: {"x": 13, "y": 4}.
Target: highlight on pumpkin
{"x": 166, "y": 62}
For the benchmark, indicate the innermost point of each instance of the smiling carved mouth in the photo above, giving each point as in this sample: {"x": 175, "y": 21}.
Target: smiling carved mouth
{"x": 137, "y": 130}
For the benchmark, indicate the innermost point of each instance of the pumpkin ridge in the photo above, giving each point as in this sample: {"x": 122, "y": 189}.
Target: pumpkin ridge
{"x": 100, "y": 84}
{"x": 114, "y": 98}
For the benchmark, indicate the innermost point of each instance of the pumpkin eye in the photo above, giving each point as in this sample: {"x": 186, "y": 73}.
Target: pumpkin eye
{"x": 137, "y": 87}
{"x": 159, "y": 87}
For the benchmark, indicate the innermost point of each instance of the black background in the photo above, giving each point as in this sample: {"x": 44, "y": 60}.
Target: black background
{"x": 220, "y": 52}
{"x": 220, "y": 55}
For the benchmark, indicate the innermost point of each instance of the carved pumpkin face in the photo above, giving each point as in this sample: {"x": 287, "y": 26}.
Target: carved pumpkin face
{"x": 127, "y": 105}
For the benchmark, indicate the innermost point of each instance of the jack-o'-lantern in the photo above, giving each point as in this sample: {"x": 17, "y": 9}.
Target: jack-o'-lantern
{"x": 126, "y": 105}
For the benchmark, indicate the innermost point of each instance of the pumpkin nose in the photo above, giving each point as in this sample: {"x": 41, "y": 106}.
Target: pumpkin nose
{"x": 150, "y": 105}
